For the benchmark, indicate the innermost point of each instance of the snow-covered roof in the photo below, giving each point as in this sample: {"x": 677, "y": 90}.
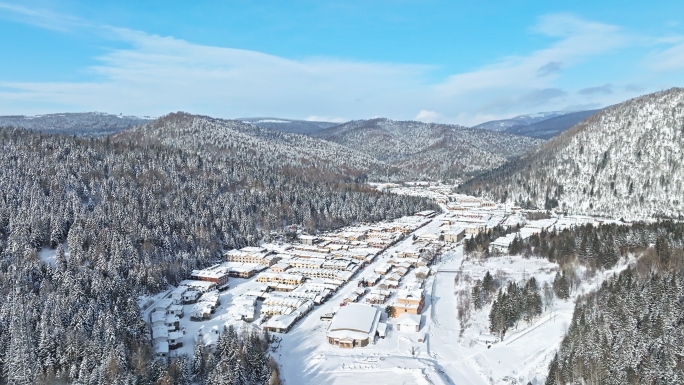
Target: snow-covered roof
{"x": 408, "y": 319}
{"x": 355, "y": 317}
{"x": 282, "y": 321}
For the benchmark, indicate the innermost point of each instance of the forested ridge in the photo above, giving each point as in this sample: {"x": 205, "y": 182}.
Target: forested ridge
{"x": 136, "y": 216}
{"x": 625, "y": 161}
{"x": 631, "y": 330}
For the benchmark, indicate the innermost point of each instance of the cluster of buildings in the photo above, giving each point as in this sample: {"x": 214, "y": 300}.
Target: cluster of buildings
{"x": 288, "y": 279}
{"x": 394, "y": 288}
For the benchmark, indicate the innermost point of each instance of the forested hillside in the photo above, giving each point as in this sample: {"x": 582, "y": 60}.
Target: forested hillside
{"x": 137, "y": 215}
{"x": 631, "y": 330}
{"x": 428, "y": 150}
{"x": 625, "y": 161}
{"x": 238, "y": 142}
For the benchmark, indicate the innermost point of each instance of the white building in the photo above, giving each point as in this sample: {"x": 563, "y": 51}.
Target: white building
{"x": 354, "y": 325}
{"x": 408, "y": 322}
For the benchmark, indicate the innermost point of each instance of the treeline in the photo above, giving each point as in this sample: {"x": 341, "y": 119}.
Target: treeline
{"x": 480, "y": 242}
{"x": 483, "y": 290}
{"x": 514, "y": 304}
{"x": 630, "y": 331}
{"x": 235, "y": 361}
{"x": 134, "y": 219}
{"x": 594, "y": 246}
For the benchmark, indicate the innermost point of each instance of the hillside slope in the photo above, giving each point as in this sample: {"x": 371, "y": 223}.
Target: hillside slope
{"x": 237, "y": 140}
{"x": 625, "y": 161}
{"x": 428, "y": 150}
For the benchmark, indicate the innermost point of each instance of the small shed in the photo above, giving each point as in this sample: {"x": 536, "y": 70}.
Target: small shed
{"x": 382, "y": 329}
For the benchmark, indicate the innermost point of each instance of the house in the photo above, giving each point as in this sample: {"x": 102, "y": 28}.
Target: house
{"x": 408, "y": 322}
{"x": 243, "y": 308}
{"x": 422, "y": 272}
{"x": 371, "y": 280}
{"x": 501, "y": 244}
{"x": 408, "y": 254}
{"x": 429, "y": 237}
{"x": 382, "y": 268}
{"x": 163, "y": 305}
{"x": 161, "y": 348}
{"x": 244, "y": 271}
{"x": 217, "y": 274}
{"x": 454, "y": 234}
{"x": 177, "y": 294}
{"x": 354, "y": 325}
{"x": 394, "y": 277}
{"x": 175, "y": 339}
{"x": 191, "y": 296}
{"x": 281, "y": 323}
{"x": 426, "y": 214}
{"x": 382, "y": 330}
{"x": 201, "y": 311}
{"x": 176, "y": 310}
{"x": 201, "y": 286}
{"x": 288, "y": 279}
{"x": 308, "y": 239}
{"x": 257, "y": 255}
{"x": 409, "y": 301}
{"x": 280, "y": 267}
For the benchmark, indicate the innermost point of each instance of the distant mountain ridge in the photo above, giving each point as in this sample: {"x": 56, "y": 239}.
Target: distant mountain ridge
{"x": 624, "y": 161}
{"x": 304, "y": 127}
{"x": 520, "y": 120}
{"x": 79, "y": 123}
{"x": 542, "y": 125}
{"x": 548, "y": 128}
{"x": 429, "y": 150}
{"x": 238, "y": 140}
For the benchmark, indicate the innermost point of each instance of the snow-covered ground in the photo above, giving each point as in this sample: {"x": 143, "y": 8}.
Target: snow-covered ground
{"x": 440, "y": 353}
{"x": 305, "y": 357}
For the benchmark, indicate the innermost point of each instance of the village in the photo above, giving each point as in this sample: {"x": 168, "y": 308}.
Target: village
{"x": 370, "y": 286}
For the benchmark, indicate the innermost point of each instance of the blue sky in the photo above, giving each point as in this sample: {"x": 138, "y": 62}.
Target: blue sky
{"x": 442, "y": 61}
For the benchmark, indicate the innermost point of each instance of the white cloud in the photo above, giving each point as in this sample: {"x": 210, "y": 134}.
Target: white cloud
{"x": 43, "y": 18}
{"x": 428, "y": 116}
{"x": 155, "y": 75}
{"x": 668, "y": 60}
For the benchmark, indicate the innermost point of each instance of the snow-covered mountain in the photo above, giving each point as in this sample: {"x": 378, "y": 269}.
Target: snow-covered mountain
{"x": 625, "y": 161}
{"x": 304, "y": 127}
{"x": 80, "y": 123}
{"x": 520, "y": 120}
{"x": 236, "y": 139}
{"x": 428, "y": 150}
{"x": 548, "y": 128}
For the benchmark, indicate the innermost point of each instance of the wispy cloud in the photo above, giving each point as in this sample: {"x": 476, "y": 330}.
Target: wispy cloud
{"x": 668, "y": 60}
{"x": 428, "y": 116}
{"x": 606, "y": 89}
{"x": 154, "y": 75}
{"x": 40, "y": 17}
{"x": 549, "y": 68}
